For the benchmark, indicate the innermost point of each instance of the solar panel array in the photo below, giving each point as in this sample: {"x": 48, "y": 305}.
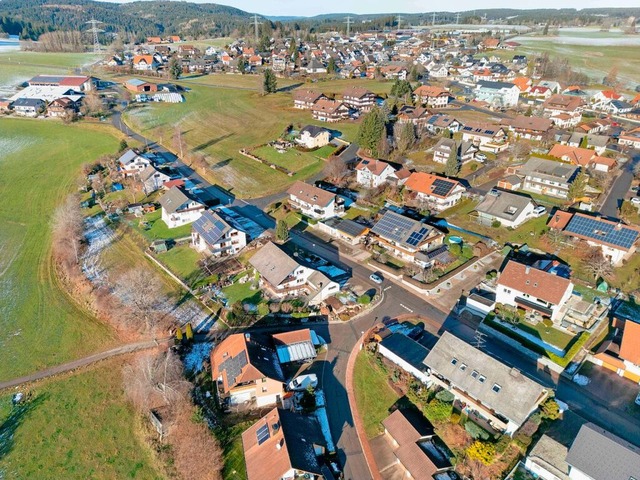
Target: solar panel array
{"x": 612, "y": 234}
{"x": 263, "y": 434}
{"x": 210, "y": 227}
{"x": 400, "y": 229}
{"x": 233, "y": 366}
{"x": 441, "y": 187}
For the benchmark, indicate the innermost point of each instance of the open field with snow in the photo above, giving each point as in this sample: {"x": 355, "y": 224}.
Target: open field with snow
{"x": 39, "y": 163}
{"x": 218, "y": 122}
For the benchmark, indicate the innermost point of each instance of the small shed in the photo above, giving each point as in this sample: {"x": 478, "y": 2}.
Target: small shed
{"x": 158, "y": 246}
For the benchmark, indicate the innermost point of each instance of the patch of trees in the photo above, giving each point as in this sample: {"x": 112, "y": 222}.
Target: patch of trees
{"x": 559, "y": 69}
{"x": 157, "y": 382}
{"x": 59, "y": 41}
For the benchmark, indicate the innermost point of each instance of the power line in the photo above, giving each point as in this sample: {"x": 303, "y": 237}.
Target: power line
{"x": 433, "y": 18}
{"x": 95, "y": 31}
{"x": 458, "y": 18}
{"x": 348, "y": 22}
{"x": 256, "y": 25}
{"x": 399, "y": 21}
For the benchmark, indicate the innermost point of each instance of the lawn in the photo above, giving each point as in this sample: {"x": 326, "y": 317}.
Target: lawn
{"x": 156, "y": 228}
{"x": 218, "y": 122}
{"x": 41, "y": 325}
{"x": 242, "y": 292}
{"x": 75, "y": 427}
{"x": 374, "y": 396}
{"x": 293, "y": 159}
{"x": 183, "y": 260}
{"x": 550, "y": 335}
{"x": 231, "y": 440}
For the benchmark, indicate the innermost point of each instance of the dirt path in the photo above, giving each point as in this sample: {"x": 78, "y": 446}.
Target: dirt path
{"x": 82, "y": 362}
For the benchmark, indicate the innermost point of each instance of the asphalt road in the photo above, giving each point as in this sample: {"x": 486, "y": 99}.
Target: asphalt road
{"x": 620, "y": 187}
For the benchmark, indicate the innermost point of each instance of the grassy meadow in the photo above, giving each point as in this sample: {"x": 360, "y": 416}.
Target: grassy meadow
{"x": 75, "y": 427}
{"x": 39, "y": 164}
{"x": 220, "y": 121}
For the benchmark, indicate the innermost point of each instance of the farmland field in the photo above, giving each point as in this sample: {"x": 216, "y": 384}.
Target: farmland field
{"x": 39, "y": 164}
{"x": 75, "y": 427}
{"x": 220, "y": 121}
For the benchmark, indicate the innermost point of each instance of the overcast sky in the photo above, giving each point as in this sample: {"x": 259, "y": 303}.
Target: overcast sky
{"x": 310, "y": 8}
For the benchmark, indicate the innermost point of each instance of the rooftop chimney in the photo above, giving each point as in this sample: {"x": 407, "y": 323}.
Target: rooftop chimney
{"x": 527, "y": 269}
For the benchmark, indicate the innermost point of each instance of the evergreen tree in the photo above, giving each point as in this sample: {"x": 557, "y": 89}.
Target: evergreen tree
{"x": 123, "y": 145}
{"x": 405, "y": 136}
{"x": 529, "y": 112}
{"x": 269, "y": 82}
{"x": 175, "y": 68}
{"x": 282, "y": 231}
{"x": 371, "y": 130}
{"x": 179, "y": 337}
{"x": 584, "y": 142}
{"x": 578, "y": 187}
{"x": 545, "y": 30}
{"x": 452, "y": 167}
{"x": 331, "y": 66}
{"x": 413, "y": 75}
{"x": 242, "y": 65}
{"x": 189, "y": 332}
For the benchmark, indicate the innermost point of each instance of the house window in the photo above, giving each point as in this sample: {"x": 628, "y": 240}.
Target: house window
{"x": 264, "y": 380}
{"x": 482, "y": 378}
{"x": 454, "y": 361}
{"x": 463, "y": 367}
{"x": 474, "y": 374}
{"x": 496, "y": 388}
{"x": 264, "y": 389}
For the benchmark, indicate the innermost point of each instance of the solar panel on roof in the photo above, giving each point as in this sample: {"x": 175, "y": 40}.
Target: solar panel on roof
{"x": 441, "y": 187}
{"x": 263, "y": 434}
{"x": 603, "y": 231}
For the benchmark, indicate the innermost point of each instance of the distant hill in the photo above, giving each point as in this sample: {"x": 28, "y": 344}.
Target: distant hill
{"x": 30, "y": 18}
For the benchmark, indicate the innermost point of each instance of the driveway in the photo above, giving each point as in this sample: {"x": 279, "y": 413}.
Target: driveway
{"x": 620, "y": 187}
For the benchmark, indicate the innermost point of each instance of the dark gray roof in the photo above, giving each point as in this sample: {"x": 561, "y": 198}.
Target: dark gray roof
{"x": 602, "y": 456}
{"x": 407, "y": 349}
{"x": 211, "y": 227}
{"x": 495, "y": 85}
{"x": 233, "y": 366}
{"x": 550, "y": 169}
{"x": 175, "y": 198}
{"x": 301, "y": 432}
{"x": 263, "y": 357}
{"x": 28, "y": 102}
{"x": 346, "y": 226}
{"x": 313, "y": 130}
{"x": 505, "y": 205}
{"x": 517, "y": 395}
{"x": 402, "y": 230}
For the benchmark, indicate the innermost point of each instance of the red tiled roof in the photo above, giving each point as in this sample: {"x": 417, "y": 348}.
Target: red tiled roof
{"x": 630, "y": 346}
{"x": 537, "y": 283}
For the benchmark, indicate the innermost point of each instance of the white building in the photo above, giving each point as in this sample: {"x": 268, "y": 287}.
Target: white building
{"x": 542, "y": 293}
{"x": 373, "y": 173}
{"x": 406, "y": 353}
{"x": 312, "y": 137}
{"x": 216, "y": 235}
{"x": 313, "y": 201}
{"x": 498, "y": 94}
{"x": 510, "y": 209}
{"x": 180, "y": 207}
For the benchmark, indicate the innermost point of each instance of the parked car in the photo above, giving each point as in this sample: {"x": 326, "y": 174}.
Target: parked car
{"x": 539, "y": 211}
{"x": 635, "y": 200}
{"x": 638, "y": 399}
{"x": 302, "y": 382}
{"x": 481, "y": 157}
{"x": 635, "y": 188}
{"x": 376, "y": 277}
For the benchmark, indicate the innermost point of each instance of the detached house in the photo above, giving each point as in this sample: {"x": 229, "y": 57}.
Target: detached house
{"x": 145, "y": 63}
{"x": 132, "y": 163}
{"x": 373, "y": 173}
{"x": 497, "y": 94}
{"x": 359, "y": 99}
{"x": 548, "y": 177}
{"x": 538, "y": 291}
{"x": 565, "y": 111}
{"x": 180, "y": 207}
{"x": 583, "y": 157}
{"x": 312, "y": 137}
{"x": 438, "y": 192}
{"x": 509, "y": 209}
{"x": 313, "y": 201}
{"x": 217, "y": 235}
{"x": 431, "y": 96}
{"x": 283, "y": 276}
{"x": 616, "y": 240}
{"x": 305, "y": 99}
{"x": 487, "y": 137}
{"x": 284, "y": 445}
{"x": 416, "y": 115}
{"x": 405, "y": 238}
{"x": 246, "y": 371}
{"x": 533, "y": 128}
{"x": 484, "y": 387}
{"x": 630, "y": 138}
{"x": 326, "y": 110}
{"x": 439, "y": 122}
{"x": 152, "y": 179}
{"x": 465, "y": 152}
{"x": 29, "y": 107}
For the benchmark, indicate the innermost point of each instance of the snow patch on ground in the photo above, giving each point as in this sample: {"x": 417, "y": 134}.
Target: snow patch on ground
{"x": 321, "y": 414}
{"x": 581, "y": 380}
{"x": 10, "y": 145}
{"x": 99, "y": 236}
{"x": 199, "y": 352}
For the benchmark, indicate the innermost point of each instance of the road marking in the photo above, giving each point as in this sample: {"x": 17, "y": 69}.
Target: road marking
{"x": 406, "y": 308}
{"x": 386, "y": 288}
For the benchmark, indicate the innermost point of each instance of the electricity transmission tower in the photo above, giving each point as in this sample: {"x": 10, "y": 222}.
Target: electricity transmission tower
{"x": 256, "y": 26}
{"x": 348, "y": 22}
{"x": 433, "y": 18}
{"x": 399, "y": 21}
{"x": 458, "y": 18}
{"x": 95, "y": 31}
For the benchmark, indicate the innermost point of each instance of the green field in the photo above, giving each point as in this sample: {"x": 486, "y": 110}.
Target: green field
{"x": 39, "y": 165}
{"x": 77, "y": 427}
{"x": 293, "y": 160}
{"x": 220, "y": 121}
{"x": 374, "y": 396}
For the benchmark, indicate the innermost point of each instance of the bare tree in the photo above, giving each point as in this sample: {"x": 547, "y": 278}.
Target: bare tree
{"x": 141, "y": 292}
{"x": 68, "y": 230}
{"x": 596, "y": 265}
{"x": 178, "y": 141}
{"x": 92, "y": 103}
{"x": 555, "y": 236}
{"x": 133, "y": 185}
{"x": 521, "y": 149}
{"x": 337, "y": 171}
